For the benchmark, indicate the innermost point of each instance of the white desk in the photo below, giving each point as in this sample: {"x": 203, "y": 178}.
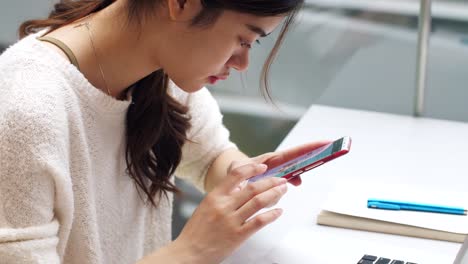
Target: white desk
{"x": 386, "y": 149}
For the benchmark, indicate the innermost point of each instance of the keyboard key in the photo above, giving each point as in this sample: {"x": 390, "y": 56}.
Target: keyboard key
{"x": 369, "y": 257}
{"x": 397, "y": 262}
{"x": 383, "y": 261}
{"x": 411, "y": 263}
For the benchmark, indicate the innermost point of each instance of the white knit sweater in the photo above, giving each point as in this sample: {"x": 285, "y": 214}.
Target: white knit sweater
{"x": 64, "y": 194}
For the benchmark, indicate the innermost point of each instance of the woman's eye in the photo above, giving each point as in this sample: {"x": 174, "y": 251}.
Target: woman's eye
{"x": 248, "y": 45}
{"x": 245, "y": 44}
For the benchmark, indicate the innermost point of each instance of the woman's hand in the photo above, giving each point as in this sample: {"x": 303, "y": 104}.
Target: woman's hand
{"x": 224, "y": 219}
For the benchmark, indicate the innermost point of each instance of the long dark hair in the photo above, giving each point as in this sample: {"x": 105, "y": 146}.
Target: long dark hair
{"x": 156, "y": 123}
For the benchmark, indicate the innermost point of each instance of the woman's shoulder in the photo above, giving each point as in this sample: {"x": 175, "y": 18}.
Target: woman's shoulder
{"x": 27, "y": 96}
{"x": 25, "y": 114}
{"x": 29, "y": 81}
{"x": 31, "y": 96}
{"x": 28, "y": 60}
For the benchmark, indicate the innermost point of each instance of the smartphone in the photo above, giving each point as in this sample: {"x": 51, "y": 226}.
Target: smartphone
{"x": 308, "y": 161}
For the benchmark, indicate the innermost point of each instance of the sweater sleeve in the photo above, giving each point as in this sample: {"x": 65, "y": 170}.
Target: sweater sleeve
{"x": 208, "y": 138}
{"x": 29, "y": 162}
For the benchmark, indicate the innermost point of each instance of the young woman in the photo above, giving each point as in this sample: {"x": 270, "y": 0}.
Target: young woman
{"x": 102, "y": 104}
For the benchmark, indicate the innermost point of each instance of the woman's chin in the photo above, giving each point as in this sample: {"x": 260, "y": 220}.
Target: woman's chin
{"x": 190, "y": 87}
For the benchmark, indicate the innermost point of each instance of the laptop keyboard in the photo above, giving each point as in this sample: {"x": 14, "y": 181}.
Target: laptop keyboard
{"x": 369, "y": 259}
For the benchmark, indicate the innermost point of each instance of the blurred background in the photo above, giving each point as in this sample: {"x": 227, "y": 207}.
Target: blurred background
{"x": 357, "y": 54}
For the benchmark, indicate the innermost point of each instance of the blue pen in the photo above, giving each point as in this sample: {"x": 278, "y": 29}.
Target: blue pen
{"x": 399, "y": 205}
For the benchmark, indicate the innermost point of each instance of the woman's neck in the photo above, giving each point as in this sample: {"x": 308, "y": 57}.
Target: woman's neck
{"x": 112, "y": 44}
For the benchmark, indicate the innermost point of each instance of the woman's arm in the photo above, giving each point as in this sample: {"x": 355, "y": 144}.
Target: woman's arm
{"x": 173, "y": 253}
{"x": 219, "y": 168}
{"x": 33, "y": 166}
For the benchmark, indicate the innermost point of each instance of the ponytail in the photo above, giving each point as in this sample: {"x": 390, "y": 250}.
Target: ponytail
{"x": 156, "y": 132}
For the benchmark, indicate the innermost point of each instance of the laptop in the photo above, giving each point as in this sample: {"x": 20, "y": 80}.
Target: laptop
{"x": 461, "y": 258}
{"x": 337, "y": 245}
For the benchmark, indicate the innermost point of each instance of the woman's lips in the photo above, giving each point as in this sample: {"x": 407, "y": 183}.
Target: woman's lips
{"x": 214, "y": 79}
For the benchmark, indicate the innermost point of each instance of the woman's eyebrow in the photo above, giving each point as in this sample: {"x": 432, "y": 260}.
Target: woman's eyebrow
{"x": 257, "y": 30}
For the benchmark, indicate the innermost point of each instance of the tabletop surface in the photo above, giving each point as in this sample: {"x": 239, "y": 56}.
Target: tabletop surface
{"x": 386, "y": 148}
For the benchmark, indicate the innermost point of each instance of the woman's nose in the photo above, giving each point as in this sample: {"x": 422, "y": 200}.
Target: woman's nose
{"x": 240, "y": 62}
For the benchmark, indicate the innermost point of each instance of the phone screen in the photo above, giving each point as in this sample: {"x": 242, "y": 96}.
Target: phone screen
{"x": 301, "y": 163}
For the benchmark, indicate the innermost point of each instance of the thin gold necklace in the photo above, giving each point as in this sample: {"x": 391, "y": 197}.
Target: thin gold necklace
{"x": 90, "y": 35}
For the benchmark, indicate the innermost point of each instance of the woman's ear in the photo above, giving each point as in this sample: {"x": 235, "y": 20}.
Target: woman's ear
{"x": 183, "y": 10}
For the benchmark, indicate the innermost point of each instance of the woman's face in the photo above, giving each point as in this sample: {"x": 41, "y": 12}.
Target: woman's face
{"x": 194, "y": 56}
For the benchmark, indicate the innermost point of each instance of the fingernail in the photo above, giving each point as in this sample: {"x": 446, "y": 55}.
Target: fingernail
{"x": 262, "y": 166}
{"x": 278, "y": 211}
{"x": 283, "y": 188}
{"x": 282, "y": 181}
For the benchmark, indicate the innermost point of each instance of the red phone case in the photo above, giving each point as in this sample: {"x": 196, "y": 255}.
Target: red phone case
{"x": 296, "y": 167}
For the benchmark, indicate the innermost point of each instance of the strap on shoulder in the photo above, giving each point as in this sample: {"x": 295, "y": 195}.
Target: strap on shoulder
{"x": 63, "y": 47}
